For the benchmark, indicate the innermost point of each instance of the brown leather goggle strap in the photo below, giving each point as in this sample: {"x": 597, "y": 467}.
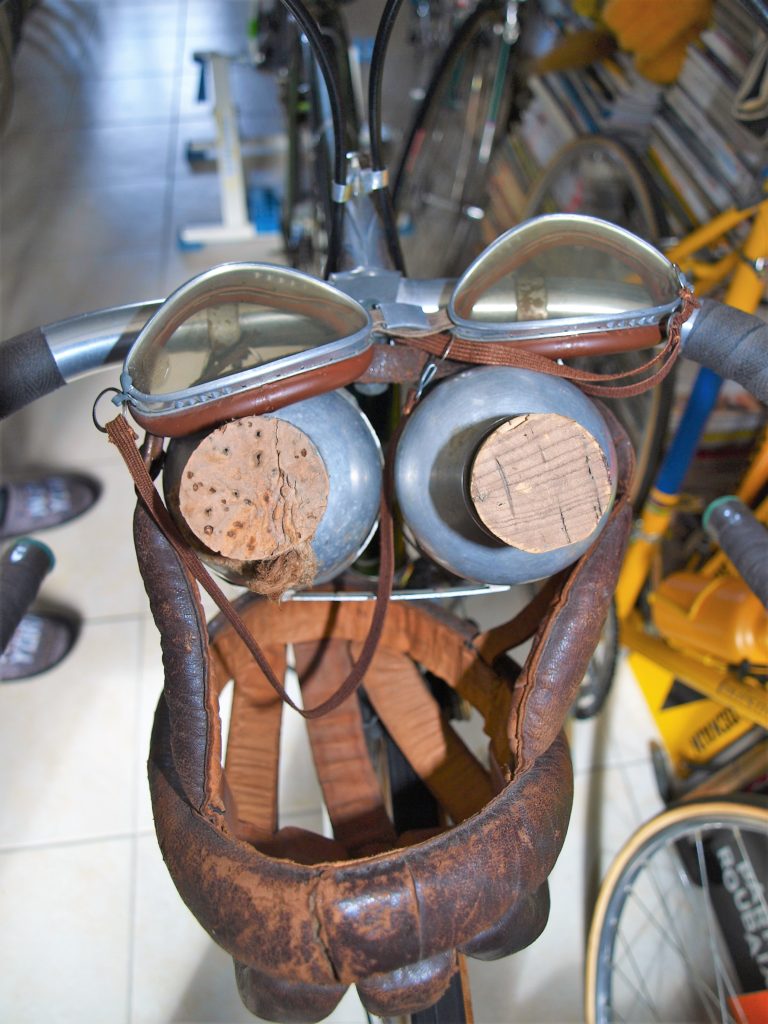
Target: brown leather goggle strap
{"x": 124, "y": 439}
{"x": 598, "y": 385}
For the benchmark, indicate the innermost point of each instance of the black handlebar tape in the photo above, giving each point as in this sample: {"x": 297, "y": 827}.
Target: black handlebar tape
{"x": 732, "y": 343}
{"x": 27, "y": 371}
{"x": 743, "y": 538}
{"x": 22, "y": 569}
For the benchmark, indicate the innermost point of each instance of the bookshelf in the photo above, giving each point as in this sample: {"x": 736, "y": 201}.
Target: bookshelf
{"x": 700, "y": 158}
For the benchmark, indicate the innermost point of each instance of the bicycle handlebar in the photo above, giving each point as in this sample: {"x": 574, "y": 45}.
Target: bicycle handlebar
{"x": 730, "y": 342}
{"x": 743, "y": 538}
{"x": 33, "y": 364}
{"x": 39, "y": 361}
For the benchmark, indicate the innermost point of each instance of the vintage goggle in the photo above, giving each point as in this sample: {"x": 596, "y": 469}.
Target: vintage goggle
{"x": 248, "y": 338}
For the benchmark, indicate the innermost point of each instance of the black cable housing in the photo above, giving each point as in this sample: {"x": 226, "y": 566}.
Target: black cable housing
{"x": 311, "y": 30}
{"x": 375, "y": 88}
{"x": 376, "y": 79}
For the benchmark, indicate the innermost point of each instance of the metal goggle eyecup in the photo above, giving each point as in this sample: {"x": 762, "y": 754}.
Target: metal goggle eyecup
{"x": 245, "y": 338}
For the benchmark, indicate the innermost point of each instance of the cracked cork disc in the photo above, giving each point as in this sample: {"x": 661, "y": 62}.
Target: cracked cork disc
{"x": 540, "y": 482}
{"x": 254, "y": 489}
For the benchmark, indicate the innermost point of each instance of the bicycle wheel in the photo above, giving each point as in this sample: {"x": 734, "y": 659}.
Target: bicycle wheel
{"x": 598, "y": 176}
{"x": 679, "y": 925}
{"x": 596, "y": 684}
{"x": 439, "y": 193}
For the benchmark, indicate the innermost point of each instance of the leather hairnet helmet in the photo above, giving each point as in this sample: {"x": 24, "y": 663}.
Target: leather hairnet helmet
{"x": 305, "y": 916}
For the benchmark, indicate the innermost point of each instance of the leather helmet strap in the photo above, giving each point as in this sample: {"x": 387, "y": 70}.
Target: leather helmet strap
{"x": 124, "y": 439}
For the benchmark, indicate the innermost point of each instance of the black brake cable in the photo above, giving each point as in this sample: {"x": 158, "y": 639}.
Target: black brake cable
{"x": 375, "y": 88}
{"x": 311, "y": 30}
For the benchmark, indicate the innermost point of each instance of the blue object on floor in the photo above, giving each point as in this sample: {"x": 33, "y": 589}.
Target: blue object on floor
{"x": 187, "y": 246}
{"x": 264, "y": 207}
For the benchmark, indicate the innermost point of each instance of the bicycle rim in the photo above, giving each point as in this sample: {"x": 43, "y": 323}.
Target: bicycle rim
{"x": 657, "y": 949}
{"x": 440, "y": 187}
{"x": 600, "y": 177}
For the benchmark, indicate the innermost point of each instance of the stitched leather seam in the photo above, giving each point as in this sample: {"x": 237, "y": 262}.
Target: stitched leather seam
{"x": 314, "y": 904}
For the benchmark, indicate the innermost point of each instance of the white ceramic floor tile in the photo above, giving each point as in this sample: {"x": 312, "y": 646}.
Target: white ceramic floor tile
{"x": 73, "y": 733}
{"x": 179, "y": 973}
{"x": 228, "y": 18}
{"x": 86, "y": 282}
{"x": 544, "y": 982}
{"x": 254, "y": 93}
{"x": 131, "y": 99}
{"x": 622, "y": 732}
{"x": 65, "y": 939}
{"x": 43, "y": 102}
{"x": 88, "y": 225}
{"x": 148, "y": 51}
{"x": 182, "y": 264}
{"x": 93, "y": 158}
{"x": 54, "y": 40}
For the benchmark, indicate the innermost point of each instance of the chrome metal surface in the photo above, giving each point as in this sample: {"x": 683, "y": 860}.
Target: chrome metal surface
{"x": 399, "y": 315}
{"x": 434, "y": 459}
{"x": 579, "y": 270}
{"x": 429, "y": 594}
{"x": 84, "y": 344}
{"x": 337, "y": 326}
{"x": 368, "y": 284}
{"x": 351, "y": 453}
{"x": 430, "y": 294}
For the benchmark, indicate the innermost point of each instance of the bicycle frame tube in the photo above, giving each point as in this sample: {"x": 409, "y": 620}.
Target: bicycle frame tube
{"x": 510, "y": 35}
{"x": 709, "y": 678}
{"x": 744, "y": 293}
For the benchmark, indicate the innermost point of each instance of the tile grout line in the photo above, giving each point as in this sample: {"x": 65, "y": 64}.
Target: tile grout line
{"x": 173, "y": 142}
{"x": 62, "y": 844}
{"x": 136, "y": 774}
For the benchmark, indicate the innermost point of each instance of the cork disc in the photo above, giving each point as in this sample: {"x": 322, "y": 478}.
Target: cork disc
{"x": 540, "y": 482}
{"x": 254, "y": 489}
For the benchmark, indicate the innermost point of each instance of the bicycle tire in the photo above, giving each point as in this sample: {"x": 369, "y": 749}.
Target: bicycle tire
{"x": 637, "y": 875}
{"x": 598, "y": 176}
{"x": 596, "y": 684}
{"x": 440, "y": 190}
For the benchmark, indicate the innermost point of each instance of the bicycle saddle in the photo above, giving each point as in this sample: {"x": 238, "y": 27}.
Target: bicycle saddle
{"x": 305, "y": 916}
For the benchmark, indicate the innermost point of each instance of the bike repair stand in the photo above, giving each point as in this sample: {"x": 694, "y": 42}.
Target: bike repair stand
{"x": 236, "y": 224}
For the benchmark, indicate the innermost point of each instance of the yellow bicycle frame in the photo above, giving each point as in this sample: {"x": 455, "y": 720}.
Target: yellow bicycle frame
{"x": 699, "y": 729}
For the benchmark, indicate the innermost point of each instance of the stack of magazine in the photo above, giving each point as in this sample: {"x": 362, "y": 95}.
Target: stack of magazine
{"x": 700, "y": 158}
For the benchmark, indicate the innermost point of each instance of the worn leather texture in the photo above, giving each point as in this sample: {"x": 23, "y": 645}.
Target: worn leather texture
{"x": 304, "y": 916}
